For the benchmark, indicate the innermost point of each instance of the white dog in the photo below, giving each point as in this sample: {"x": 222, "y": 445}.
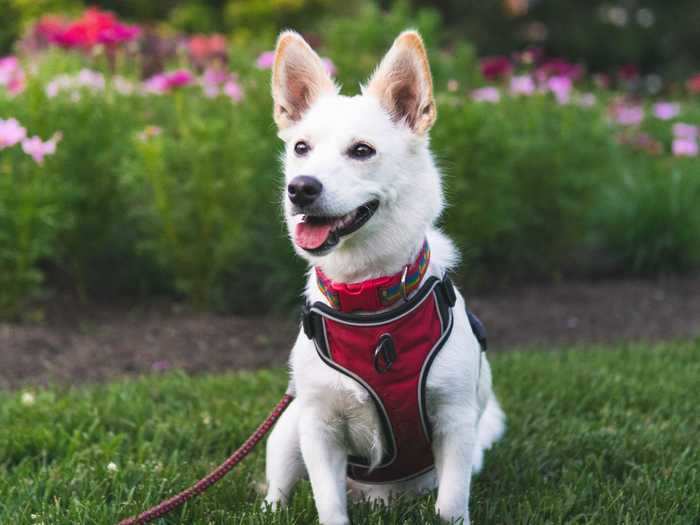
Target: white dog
{"x": 363, "y": 194}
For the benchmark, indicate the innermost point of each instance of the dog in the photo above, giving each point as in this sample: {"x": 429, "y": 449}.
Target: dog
{"x": 362, "y": 196}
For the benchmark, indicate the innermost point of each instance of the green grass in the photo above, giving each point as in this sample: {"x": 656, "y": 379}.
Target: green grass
{"x": 596, "y": 436}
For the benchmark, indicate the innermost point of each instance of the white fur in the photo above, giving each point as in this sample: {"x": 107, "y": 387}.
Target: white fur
{"x": 332, "y": 416}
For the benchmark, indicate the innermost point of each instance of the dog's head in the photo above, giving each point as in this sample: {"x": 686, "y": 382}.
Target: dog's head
{"x": 361, "y": 187}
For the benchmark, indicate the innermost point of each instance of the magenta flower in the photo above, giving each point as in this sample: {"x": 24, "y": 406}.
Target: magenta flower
{"x": 522, "y": 85}
{"x": 11, "y": 133}
{"x": 561, "y": 87}
{"x": 693, "y": 84}
{"x": 179, "y": 78}
{"x": 666, "y": 110}
{"x": 38, "y": 149}
{"x": 685, "y": 147}
{"x": 92, "y": 28}
{"x": 628, "y": 115}
{"x": 493, "y": 68}
{"x": 265, "y": 60}
{"x": 557, "y": 67}
{"x": 233, "y": 90}
{"x": 486, "y": 94}
{"x": 685, "y": 131}
{"x": 628, "y": 72}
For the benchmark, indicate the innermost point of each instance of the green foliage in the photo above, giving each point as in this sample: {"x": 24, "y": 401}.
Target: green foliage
{"x": 522, "y": 176}
{"x": 31, "y": 220}
{"x": 650, "y": 221}
{"x": 602, "y": 436}
{"x": 534, "y": 188}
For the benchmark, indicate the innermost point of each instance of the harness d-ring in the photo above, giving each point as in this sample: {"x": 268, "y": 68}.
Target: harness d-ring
{"x": 403, "y": 284}
{"x": 384, "y": 354}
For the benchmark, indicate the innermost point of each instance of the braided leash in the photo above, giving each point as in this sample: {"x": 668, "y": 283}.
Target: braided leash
{"x": 203, "y": 484}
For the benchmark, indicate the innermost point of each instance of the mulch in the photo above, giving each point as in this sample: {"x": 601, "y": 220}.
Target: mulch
{"x": 79, "y": 343}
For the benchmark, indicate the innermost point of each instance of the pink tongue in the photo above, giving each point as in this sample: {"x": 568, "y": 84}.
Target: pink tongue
{"x": 310, "y": 236}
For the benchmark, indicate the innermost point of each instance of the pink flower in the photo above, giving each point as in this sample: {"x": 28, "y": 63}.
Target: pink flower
{"x": 37, "y": 149}
{"x": 207, "y": 48}
{"x": 486, "y": 94}
{"x": 11, "y": 132}
{"x": 233, "y": 90}
{"x": 522, "y": 85}
{"x": 586, "y": 100}
{"x": 628, "y": 115}
{"x": 164, "y": 82}
{"x": 216, "y": 81}
{"x": 685, "y": 131}
{"x": 12, "y": 75}
{"x": 149, "y": 132}
{"x": 329, "y": 66}
{"x": 666, "y": 110}
{"x": 265, "y": 60}
{"x": 493, "y": 68}
{"x": 561, "y": 87}
{"x": 685, "y": 147}
{"x": 123, "y": 85}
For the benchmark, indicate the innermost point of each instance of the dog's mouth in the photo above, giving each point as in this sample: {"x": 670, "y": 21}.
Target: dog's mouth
{"x": 317, "y": 234}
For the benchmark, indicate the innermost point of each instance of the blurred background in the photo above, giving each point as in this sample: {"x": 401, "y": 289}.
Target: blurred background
{"x": 140, "y": 182}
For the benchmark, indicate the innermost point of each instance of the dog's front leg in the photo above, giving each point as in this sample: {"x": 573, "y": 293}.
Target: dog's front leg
{"x": 326, "y": 462}
{"x": 283, "y": 464}
{"x": 453, "y": 447}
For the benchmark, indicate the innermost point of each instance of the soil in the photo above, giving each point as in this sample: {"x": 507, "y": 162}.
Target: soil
{"x": 78, "y": 343}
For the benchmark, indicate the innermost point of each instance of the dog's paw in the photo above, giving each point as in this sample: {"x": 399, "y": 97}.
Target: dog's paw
{"x": 272, "y": 504}
{"x": 453, "y": 516}
{"x": 334, "y": 519}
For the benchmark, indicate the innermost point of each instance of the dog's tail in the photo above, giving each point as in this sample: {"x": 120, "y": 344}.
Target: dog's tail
{"x": 492, "y": 425}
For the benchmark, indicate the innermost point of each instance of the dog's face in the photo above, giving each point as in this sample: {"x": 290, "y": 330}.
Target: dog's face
{"x": 358, "y": 172}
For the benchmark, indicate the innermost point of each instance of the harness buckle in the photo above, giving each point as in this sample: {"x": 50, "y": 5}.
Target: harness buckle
{"x": 306, "y": 321}
{"x": 384, "y": 354}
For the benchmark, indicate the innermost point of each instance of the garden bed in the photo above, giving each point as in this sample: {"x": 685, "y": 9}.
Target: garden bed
{"x": 89, "y": 343}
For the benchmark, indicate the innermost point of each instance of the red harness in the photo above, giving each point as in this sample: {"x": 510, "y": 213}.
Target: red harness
{"x": 389, "y": 354}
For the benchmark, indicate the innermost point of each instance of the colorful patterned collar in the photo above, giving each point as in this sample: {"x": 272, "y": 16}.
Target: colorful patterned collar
{"x": 375, "y": 294}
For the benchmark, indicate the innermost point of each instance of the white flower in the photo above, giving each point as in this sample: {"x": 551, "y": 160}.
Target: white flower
{"x": 28, "y": 399}
{"x": 112, "y": 467}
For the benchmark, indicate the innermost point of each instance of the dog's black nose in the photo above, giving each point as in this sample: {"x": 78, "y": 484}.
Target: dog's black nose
{"x": 303, "y": 190}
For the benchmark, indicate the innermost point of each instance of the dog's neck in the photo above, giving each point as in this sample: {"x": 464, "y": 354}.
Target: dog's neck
{"x": 357, "y": 262}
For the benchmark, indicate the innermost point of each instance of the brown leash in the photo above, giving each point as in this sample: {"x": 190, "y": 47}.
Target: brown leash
{"x": 219, "y": 472}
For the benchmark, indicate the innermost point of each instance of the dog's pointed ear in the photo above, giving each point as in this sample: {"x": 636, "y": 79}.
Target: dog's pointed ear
{"x": 298, "y": 79}
{"x": 403, "y": 84}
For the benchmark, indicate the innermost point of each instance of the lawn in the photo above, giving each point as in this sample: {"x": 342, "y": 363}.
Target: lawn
{"x": 596, "y": 435}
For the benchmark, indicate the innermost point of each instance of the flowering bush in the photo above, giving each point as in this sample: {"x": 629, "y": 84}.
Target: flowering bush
{"x": 112, "y": 183}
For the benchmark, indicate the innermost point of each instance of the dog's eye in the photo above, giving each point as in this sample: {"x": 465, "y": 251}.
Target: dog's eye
{"x": 301, "y": 148}
{"x": 361, "y": 151}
